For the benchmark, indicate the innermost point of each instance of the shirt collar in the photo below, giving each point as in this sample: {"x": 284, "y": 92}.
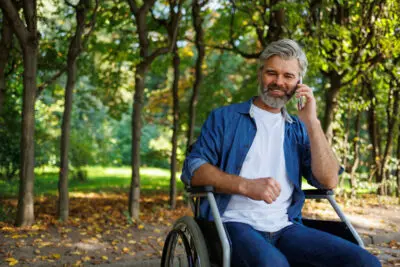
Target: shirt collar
{"x": 247, "y": 108}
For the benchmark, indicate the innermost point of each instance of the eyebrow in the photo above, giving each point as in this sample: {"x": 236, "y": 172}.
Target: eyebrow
{"x": 286, "y": 73}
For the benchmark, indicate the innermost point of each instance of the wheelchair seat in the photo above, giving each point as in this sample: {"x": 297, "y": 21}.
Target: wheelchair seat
{"x": 194, "y": 241}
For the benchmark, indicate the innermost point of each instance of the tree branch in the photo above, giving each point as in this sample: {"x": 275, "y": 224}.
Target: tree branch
{"x": 133, "y": 7}
{"x": 70, "y": 4}
{"x": 147, "y": 5}
{"x": 50, "y": 81}
{"x": 161, "y": 22}
{"x": 158, "y": 52}
{"x": 10, "y": 11}
{"x": 203, "y": 3}
{"x": 30, "y": 16}
{"x": 231, "y": 40}
{"x": 175, "y": 18}
{"x": 91, "y": 23}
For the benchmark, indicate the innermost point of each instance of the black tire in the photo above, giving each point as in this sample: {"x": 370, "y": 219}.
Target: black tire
{"x": 185, "y": 245}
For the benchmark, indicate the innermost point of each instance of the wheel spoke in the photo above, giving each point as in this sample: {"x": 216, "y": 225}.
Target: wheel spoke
{"x": 185, "y": 245}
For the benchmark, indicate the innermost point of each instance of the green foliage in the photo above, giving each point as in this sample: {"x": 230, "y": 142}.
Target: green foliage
{"x": 99, "y": 179}
{"x": 338, "y": 37}
{"x": 10, "y": 132}
{"x": 9, "y": 150}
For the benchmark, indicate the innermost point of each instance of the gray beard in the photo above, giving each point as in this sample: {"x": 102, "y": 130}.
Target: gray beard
{"x": 272, "y": 101}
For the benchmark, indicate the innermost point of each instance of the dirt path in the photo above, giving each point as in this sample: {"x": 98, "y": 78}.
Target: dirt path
{"x": 100, "y": 232}
{"x": 369, "y": 215}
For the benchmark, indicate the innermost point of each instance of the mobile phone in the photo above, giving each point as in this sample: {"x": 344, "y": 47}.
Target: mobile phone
{"x": 300, "y": 104}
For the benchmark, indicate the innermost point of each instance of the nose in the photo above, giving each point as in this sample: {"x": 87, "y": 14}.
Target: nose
{"x": 279, "y": 81}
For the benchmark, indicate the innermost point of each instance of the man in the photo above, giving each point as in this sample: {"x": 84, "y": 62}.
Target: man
{"x": 255, "y": 155}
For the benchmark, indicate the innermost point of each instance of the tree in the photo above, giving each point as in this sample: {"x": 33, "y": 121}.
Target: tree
{"x": 200, "y": 46}
{"x": 146, "y": 58}
{"x": 175, "y": 127}
{"x": 75, "y": 48}
{"x": 342, "y": 32}
{"x": 28, "y": 37}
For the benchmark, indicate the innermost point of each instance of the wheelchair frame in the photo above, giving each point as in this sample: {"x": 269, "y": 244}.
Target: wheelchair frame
{"x": 208, "y": 191}
{"x": 201, "y": 250}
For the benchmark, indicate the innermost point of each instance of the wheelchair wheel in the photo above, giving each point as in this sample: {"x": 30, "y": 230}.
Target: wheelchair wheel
{"x": 185, "y": 245}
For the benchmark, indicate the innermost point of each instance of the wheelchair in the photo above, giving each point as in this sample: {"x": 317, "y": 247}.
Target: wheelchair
{"x": 197, "y": 242}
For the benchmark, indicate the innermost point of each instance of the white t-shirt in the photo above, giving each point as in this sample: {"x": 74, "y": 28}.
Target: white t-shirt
{"x": 265, "y": 159}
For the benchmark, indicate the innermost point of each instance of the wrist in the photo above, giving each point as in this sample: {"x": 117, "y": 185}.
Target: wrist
{"x": 312, "y": 123}
{"x": 243, "y": 186}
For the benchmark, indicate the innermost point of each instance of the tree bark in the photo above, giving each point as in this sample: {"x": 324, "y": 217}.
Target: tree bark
{"x": 63, "y": 197}
{"x": 356, "y": 151}
{"x": 141, "y": 70}
{"x": 73, "y": 53}
{"x": 276, "y": 27}
{"x": 134, "y": 195}
{"x": 393, "y": 114}
{"x": 25, "y": 212}
{"x": 28, "y": 39}
{"x": 345, "y": 153}
{"x": 331, "y": 103}
{"x": 373, "y": 131}
{"x": 5, "y": 46}
{"x": 199, "y": 41}
{"x": 398, "y": 166}
{"x": 175, "y": 129}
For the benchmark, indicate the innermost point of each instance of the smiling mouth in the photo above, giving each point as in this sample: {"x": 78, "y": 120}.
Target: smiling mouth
{"x": 276, "y": 92}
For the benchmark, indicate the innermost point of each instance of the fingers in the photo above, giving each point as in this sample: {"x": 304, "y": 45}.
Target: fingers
{"x": 306, "y": 91}
{"x": 267, "y": 189}
{"x": 275, "y": 186}
{"x": 272, "y": 190}
{"x": 269, "y": 197}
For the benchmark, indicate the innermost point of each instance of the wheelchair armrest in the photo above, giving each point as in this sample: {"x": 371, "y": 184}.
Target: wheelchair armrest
{"x": 199, "y": 189}
{"x": 318, "y": 193}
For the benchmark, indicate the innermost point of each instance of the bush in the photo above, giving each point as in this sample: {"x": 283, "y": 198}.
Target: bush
{"x": 9, "y": 145}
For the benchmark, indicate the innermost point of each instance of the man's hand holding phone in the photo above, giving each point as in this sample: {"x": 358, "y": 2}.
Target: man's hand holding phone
{"x": 300, "y": 101}
{"x": 306, "y": 103}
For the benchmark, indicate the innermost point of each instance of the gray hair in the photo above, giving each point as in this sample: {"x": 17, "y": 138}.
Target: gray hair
{"x": 286, "y": 49}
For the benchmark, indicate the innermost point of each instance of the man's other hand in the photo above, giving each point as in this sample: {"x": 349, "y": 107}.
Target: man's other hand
{"x": 267, "y": 189}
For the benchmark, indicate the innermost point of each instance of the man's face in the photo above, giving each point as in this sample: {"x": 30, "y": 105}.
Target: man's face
{"x": 278, "y": 81}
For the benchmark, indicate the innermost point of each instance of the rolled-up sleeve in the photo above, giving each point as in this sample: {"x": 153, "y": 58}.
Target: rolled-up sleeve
{"x": 189, "y": 167}
{"x": 306, "y": 170}
{"x": 206, "y": 149}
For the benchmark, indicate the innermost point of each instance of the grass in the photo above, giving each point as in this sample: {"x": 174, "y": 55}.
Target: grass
{"x": 100, "y": 179}
{"x": 114, "y": 179}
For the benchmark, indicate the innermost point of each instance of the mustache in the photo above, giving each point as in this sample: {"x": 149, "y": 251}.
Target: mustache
{"x": 274, "y": 86}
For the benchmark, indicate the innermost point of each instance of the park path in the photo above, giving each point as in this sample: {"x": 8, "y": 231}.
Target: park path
{"x": 99, "y": 233}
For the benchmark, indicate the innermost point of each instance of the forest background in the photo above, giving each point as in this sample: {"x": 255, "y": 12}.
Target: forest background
{"x": 129, "y": 83}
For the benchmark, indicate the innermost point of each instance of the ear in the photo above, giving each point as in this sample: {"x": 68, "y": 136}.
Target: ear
{"x": 259, "y": 74}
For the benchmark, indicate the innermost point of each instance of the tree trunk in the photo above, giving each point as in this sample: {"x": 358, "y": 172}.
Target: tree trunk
{"x": 398, "y": 166}
{"x": 197, "y": 24}
{"x": 134, "y": 195}
{"x": 73, "y": 52}
{"x": 175, "y": 129}
{"x": 5, "y": 46}
{"x": 393, "y": 114}
{"x": 342, "y": 184}
{"x": 331, "y": 104}
{"x": 28, "y": 39}
{"x": 25, "y": 213}
{"x": 373, "y": 133}
{"x": 140, "y": 74}
{"x": 63, "y": 201}
{"x": 356, "y": 152}
{"x": 276, "y": 28}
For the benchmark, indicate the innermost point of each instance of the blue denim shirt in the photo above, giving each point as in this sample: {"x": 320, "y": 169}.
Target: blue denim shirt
{"x": 225, "y": 140}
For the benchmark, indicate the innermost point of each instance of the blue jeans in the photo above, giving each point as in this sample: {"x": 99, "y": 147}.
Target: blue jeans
{"x": 294, "y": 245}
